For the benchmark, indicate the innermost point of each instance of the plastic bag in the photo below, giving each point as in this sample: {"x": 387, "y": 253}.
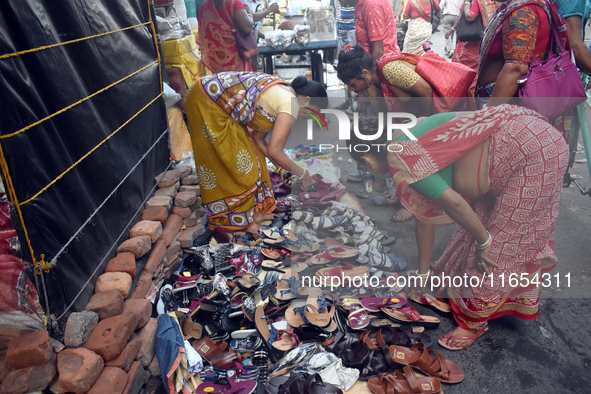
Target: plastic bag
{"x": 302, "y": 34}
{"x": 170, "y": 96}
{"x": 273, "y": 38}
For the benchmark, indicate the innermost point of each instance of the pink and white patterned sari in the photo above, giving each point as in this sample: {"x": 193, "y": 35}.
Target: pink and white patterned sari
{"x": 527, "y": 161}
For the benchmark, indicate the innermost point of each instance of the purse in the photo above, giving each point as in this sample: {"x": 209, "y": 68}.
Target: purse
{"x": 246, "y": 43}
{"x": 451, "y": 90}
{"x": 435, "y": 18}
{"x": 553, "y": 86}
{"x": 470, "y": 31}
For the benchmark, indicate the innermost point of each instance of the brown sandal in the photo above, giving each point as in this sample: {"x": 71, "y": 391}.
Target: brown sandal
{"x": 218, "y": 354}
{"x": 404, "y": 383}
{"x": 428, "y": 361}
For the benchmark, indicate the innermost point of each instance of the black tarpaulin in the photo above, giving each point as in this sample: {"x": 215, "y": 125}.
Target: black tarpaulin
{"x": 83, "y": 131}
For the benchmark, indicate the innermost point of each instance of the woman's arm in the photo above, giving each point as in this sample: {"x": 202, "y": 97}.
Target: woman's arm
{"x": 243, "y": 22}
{"x": 460, "y": 211}
{"x": 582, "y": 53}
{"x": 259, "y": 16}
{"x": 406, "y": 13}
{"x": 453, "y": 28}
{"x": 471, "y": 12}
{"x": 437, "y": 6}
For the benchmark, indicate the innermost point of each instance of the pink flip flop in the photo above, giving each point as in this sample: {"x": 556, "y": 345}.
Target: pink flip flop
{"x": 446, "y": 341}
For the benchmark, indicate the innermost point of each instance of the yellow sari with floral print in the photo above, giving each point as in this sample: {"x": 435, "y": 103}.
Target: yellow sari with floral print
{"x": 232, "y": 171}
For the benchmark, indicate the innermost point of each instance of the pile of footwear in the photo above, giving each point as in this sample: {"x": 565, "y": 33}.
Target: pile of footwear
{"x": 256, "y": 307}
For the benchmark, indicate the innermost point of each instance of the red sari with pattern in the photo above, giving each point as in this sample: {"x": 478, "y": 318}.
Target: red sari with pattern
{"x": 217, "y": 43}
{"x": 526, "y": 164}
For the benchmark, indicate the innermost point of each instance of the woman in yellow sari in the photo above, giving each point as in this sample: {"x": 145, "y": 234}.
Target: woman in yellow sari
{"x": 230, "y": 162}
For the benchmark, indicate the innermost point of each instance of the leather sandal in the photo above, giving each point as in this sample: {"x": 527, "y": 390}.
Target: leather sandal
{"x": 427, "y": 361}
{"x": 406, "y": 382}
{"x": 404, "y": 313}
{"x": 218, "y": 354}
{"x": 387, "y": 336}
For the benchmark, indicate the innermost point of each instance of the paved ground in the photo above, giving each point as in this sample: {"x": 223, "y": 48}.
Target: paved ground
{"x": 551, "y": 354}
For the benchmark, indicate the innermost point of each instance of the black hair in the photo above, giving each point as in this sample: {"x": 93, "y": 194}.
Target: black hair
{"x": 352, "y": 62}
{"x": 313, "y": 89}
{"x": 368, "y": 125}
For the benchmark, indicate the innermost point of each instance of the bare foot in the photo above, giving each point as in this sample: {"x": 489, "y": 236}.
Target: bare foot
{"x": 402, "y": 215}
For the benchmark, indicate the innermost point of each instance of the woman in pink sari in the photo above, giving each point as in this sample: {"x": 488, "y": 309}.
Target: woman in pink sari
{"x": 497, "y": 173}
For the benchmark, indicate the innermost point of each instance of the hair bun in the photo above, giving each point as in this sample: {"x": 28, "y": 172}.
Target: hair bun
{"x": 299, "y": 82}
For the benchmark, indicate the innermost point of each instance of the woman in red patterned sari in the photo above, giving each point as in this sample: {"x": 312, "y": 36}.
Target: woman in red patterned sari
{"x": 218, "y": 47}
{"x": 498, "y": 174}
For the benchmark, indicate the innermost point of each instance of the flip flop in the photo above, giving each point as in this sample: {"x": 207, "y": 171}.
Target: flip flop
{"x": 358, "y": 318}
{"x": 404, "y": 313}
{"x": 428, "y": 299}
{"x": 273, "y": 254}
{"x": 446, "y": 341}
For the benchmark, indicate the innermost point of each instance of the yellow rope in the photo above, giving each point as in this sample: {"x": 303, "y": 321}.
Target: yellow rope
{"x": 89, "y": 152}
{"x": 12, "y": 193}
{"x": 156, "y": 44}
{"x": 70, "y": 42}
{"x": 76, "y": 103}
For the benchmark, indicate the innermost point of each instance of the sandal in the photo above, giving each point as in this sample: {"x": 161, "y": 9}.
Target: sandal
{"x": 246, "y": 345}
{"x": 327, "y": 222}
{"x": 379, "y": 259}
{"x": 227, "y": 386}
{"x": 295, "y": 357}
{"x": 388, "y": 335}
{"x": 427, "y": 361}
{"x": 428, "y": 299}
{"x": 248, "y": 281}
{"x": 276, "y": 348}
{"x": 446, "y": 341}
{"x": 406, "y": 382}
{"x": 358, "y": 318}
{"x": 334, "y": 253}
{"x": 270, "y": 265}
{"x": 398, "y": 218}
{"x": 218, "y": 354}
{"x": 312, "y": 333}
{"x": 404, "y": 313}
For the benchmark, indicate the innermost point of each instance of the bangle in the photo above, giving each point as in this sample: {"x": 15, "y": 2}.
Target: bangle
{"x": 467, "y": 2}
{"x": 303, "y": 175}
{"x": 486, "y": 243}
{"x": 453, "y": 28}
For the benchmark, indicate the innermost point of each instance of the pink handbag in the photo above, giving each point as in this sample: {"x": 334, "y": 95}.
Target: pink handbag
{"x": 552, "y": 86}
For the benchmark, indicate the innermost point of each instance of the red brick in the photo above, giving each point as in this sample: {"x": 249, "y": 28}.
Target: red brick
{"x": 29, "y": 350}
{"x": 110, "y": 336}
{"x": 111, "y": 381}
{"x": 185, "y": 199}
{"x": 175, "y": 264}
{"x": 147, "y": 337}
{"x": 26, "y": 380}
{"x": 106, "y": 304}
{"x": 182, "y": 212}
{"x": 189, "y": 234}
{"x": 190, "y": 180}
{"x": 156, "y": 257}
{"x": 147, "y": 227}
{"x": 159, "y": 214}
{"x": 127, "y": 356}
{"x": 198, "y": 204}
{"x": 191, "y": 221}
{"x": 143, "y": 286}
{"x": 173, "y": 250}
{"x": 184, "y": 170}
{"x": 123, "y": 262}
{"x": 190, "y": 188}
{"x": 139, "y": 246}
{"x": 154, "y": 368}
{"x": 120, "y": 281}
{"x": 171, "y": 228}
{"x": 199, "y": 212}
{"x": 167, "y": 178}
{"x": 79, "y": 369}
{"x": 169, "y": 191}
{"x": 160, "y": 201}
{"x": 135, "y": 378}
{"x": 141, "y": 307}
{"x": 79, "y": 327}
{"x": 55, "y": 387}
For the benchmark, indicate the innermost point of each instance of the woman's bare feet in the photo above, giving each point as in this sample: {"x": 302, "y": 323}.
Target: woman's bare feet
{"x": 402, "y": 215}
